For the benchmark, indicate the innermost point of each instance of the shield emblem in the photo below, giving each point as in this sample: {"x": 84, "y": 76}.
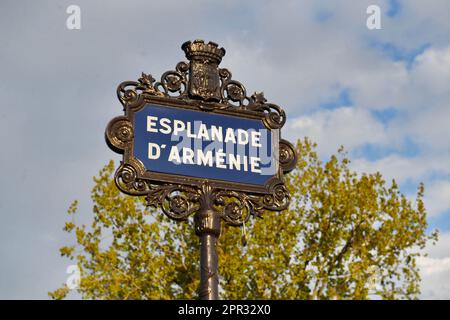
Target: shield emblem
{"x": 205, "y": 81}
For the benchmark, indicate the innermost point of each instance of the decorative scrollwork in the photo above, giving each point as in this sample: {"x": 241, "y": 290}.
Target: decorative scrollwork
{"x": 119, "y": 133}
{"x": 129, "y": 92}
{"x": 201, "y": 82}
{"x": 278, "y": 199}
{"x": 176, "y": 201}
{"x": 233, "y": 93}
{"x": 288, "y": 156}
{"x": 174, "y": 83}
{"x": 236, "y": 207}
{"x": 275, "y": 115}
{"x": 127, "y": 181}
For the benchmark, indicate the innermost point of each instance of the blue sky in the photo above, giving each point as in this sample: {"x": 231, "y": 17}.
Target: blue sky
{"x": 383, "y": 94}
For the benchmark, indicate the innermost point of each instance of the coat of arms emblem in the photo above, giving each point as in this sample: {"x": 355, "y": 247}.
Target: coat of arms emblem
{"x": 205, "y": 80}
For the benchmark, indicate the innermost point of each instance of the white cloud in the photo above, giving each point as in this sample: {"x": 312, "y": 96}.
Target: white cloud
{"x": 431, "y": 266}
{"x": 437, "y": 198}
{"x": 432, "y": 70}
{"x": 403, "y": 168}
{"x": 435, "y": 278}
{"x": 332, "y": 128}
{"x": 425, "y": 103}
{"x": 442, "y": 249}
{"x": 435, "y": 270}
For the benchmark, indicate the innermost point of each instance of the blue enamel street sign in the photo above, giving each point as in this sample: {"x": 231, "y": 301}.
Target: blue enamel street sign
{"x": 200, "y": 144}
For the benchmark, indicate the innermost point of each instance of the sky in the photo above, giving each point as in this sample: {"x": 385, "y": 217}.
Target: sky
{"x": 383, "y": 94}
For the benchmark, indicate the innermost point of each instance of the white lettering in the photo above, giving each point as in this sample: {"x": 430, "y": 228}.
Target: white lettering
{"x": 174, "y": 155}
{"x": 151, "y": 122}
{"x": 254, "y": 164}
{"x": 216, "y": 133}
{"x": 165, "y": 124}
{"x": 203, "y": 132}
{"x": 188, "y": 156}
{"x": 154, "y": 151}
{"x": 205, "y": 159}
{"x": 178, "y": 126}
{"x": 189, "y": 132}
{"x": 235, "y": 161}
{"x": 229, "y": 136}
{"x": 220, "y": 159}
{"x": 242, "y": 136}
{"x": 256, "y": 139}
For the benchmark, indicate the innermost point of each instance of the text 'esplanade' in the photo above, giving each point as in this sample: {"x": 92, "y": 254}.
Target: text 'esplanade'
{"x": 214, "y": 133}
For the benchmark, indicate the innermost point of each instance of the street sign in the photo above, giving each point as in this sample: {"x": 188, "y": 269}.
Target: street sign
{"x": 194, "y": 143}
{"x": 205, "y": 145}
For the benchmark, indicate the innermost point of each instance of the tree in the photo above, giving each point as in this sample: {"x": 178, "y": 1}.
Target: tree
{"x": 345, "y": 236}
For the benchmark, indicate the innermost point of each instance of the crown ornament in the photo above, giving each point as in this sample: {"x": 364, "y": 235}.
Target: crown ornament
{"x": 198, "y": 50}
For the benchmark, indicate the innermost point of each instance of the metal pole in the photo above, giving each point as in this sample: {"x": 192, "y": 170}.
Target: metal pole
{"x": 207, "y": 227}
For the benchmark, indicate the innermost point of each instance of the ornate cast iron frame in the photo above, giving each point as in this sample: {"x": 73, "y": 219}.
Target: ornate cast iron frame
{"x": 199, "y": 85}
